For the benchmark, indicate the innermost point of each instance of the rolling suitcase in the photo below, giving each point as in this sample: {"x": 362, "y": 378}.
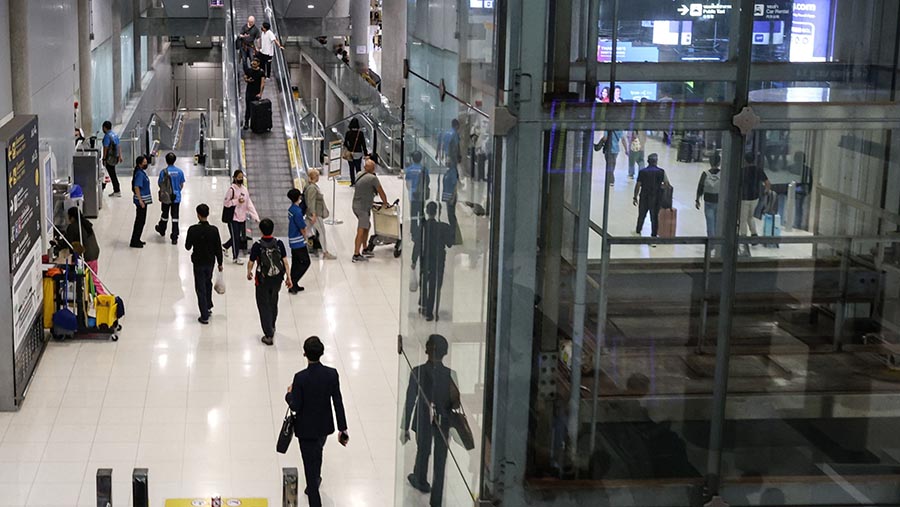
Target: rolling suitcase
{"x": 668, "y": 219}
{"x": 261, "y": 116}
{"x": 771, "y": 228}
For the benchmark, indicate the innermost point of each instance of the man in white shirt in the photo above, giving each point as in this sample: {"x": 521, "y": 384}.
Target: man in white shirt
{"x": 267, "y": 43}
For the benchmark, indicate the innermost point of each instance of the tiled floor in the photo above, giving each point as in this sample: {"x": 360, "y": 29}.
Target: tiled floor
{"x": 200, "y": 405}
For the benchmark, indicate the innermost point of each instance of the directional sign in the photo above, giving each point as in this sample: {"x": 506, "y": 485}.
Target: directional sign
{"x": 700, "y": 10}
{"x": 683, "y": 10}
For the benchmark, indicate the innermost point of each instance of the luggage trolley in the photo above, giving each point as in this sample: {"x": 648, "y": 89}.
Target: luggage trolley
{"x": 387, "y": 228}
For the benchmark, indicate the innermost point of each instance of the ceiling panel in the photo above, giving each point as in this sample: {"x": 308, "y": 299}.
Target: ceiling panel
{"x": 187, "y": 8}
{"x": 308, "y": 8}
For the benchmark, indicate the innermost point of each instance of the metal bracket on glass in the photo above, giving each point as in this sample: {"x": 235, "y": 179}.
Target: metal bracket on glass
{"x": 547, "y": 375}
{"x": 400, "y": 344}
{"x": 746, "y": 120}
{"x": 504, "y": 121}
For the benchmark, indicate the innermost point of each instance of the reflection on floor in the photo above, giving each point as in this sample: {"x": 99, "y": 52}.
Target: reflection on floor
{"x": 200, "y": 405}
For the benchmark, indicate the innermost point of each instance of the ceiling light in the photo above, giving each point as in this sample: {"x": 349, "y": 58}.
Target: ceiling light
{"x": 185, "y": 6}
{"x": 310, "y": 6}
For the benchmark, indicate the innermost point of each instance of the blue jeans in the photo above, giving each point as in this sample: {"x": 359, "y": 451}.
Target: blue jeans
{"x": 710, "y": 209}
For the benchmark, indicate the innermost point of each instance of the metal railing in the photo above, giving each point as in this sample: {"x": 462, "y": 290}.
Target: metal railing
{"x": 231, "y": 102}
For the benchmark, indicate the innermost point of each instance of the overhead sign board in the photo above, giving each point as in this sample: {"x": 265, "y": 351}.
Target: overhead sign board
{"x": 704, "y": 10}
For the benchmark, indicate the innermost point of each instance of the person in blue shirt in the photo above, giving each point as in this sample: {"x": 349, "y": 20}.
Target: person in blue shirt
{"x": 610, "y": 144}
{"x": 300, "y": 261}
{"x": 112, "y": 155}
{"x": 140, "y": 185}
{"x": 176, "y": 176}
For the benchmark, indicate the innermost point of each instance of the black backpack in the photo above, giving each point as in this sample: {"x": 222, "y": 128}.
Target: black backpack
{"x": 166, "y": 190}
{"x": 270, "y": 262}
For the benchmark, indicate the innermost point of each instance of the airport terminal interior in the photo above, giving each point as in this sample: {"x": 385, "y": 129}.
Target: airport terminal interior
{"x": 414, "y": 253}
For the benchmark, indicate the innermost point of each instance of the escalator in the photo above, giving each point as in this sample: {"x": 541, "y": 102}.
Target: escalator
{"x": 272, "y": 161}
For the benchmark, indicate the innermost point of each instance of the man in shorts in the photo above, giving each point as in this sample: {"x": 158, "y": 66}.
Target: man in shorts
{"x": 367, "y": 186}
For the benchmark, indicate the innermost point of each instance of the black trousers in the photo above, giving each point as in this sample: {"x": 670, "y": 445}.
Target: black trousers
{"x": 311, "y": 450}
{"x": 140, "y": 219}
{"x": 426, "y": 434}
{"x": 238, "y": 232}
{"x": 648, "y": 206}
{"x": 431, "y": 283}
{"x": 113, "y": 177}
{"x": 175, "y": 208}
{"x": 300, "y": 262}
{"x": 355, "y": 166}
{"x": 203, "y": 286}
{"x": 266, "y": 62}
{"x": 248, "y": 108}
{"x": 267, "y": 304}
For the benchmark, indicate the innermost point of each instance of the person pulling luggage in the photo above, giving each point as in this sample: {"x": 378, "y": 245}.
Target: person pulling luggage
{"x": 255, "y": 78}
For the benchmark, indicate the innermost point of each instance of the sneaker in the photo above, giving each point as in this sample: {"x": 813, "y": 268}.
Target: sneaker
{"x": 359, "y": 258}
{"x": 161, "y": 232}
{"x": 116, "y": 194}
{"x": 295, "y": 290}
{"x": 225, "y": 248}
{"x": 202, "y": 320}
{"x": 267, "y": 340}
{"x": 368, "y": 253}
{"x": 328, "y": 256}
{"x": 239, "y": 261}
{"x": 143, "y": 243}
{"x": 423, "y": 487}
{"x": 136, "y": 245}
{"x": 174, "y": 241}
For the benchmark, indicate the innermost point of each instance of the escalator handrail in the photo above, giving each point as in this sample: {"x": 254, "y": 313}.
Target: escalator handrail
{"x": 231, "y": 97}
{"x": 292, "y": 131}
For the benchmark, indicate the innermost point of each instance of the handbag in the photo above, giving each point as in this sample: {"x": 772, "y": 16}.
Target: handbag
{"x": 287, "y": 433}
{"x": 346, "y": 154}
{"x": 228, "y": 211}
{"x": 458, "y": 421}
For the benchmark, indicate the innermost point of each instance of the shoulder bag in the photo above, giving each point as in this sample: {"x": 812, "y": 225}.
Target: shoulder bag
{"x": 286, "y": 434}
{"x": 228, "y": 211}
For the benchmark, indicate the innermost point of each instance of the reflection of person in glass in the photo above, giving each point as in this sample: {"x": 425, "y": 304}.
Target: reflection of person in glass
{"x": 708, "y": 190}
{"x": 804, "y": 188}
{"x": 453, "y": 156}
{"x": 427, "y": 412}
{"x": 418, "y": 188}
{"x": 610, "y": 144}
{"x": 436, "y": 237}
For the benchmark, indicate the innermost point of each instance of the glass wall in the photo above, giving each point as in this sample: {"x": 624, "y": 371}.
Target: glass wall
{"x": 714, "y": 292}
{"x": 102, "y": 83}
{"x": 127, "y": 62}
{"x": 446, "y": 255}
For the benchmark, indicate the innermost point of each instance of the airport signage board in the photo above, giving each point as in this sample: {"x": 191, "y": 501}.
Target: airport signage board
{"x": 810, "y": 30}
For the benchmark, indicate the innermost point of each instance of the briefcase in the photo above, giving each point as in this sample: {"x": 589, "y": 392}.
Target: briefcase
{"x": 286, "y": 434}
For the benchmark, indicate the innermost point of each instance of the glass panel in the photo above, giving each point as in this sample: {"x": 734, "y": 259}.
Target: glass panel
{"x": 813, "y": 386}
{"x": 145, "y": 62}
{"x": 127, "y": 61}
{"x": 828, "y": 51}
{"x": 101, "y": 84}
{"x": 654, "y": 31}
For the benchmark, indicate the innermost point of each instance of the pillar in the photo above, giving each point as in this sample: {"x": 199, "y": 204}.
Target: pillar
{"x": 18, "y": 49}
{"x": 116, "y": 23}
{"x": 317, "y": 96}
{"x": 85, "y": 92}
{"x": 304, "y": 81}
{"x": 359, "y": 34}
{"x": 138, "y": 55}
{"x": 393, "y": 49}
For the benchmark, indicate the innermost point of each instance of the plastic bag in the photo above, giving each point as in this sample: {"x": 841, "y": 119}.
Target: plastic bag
{"x": 219, "y": 285}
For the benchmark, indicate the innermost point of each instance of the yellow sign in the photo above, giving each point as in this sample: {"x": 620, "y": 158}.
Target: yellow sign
{"x": 226, "y": 502}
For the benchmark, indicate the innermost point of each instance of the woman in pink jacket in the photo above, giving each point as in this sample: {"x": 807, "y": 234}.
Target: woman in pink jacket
{"x": 238, "y": 197}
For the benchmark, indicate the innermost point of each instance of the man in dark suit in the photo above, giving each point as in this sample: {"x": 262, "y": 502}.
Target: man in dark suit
{"x": 429, "y": 390}
{"x": 311, "y": 396}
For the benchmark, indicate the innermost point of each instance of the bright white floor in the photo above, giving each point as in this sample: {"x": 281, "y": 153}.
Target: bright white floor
{"x": 200, "y": 405}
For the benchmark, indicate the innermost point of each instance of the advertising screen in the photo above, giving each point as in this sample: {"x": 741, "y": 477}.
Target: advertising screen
{"x": 672, "y": 33}
{"x": 809, "y": 31}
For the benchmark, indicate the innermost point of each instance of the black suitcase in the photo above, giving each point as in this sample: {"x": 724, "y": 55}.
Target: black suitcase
{"x": 685, "y": 151}
{"x": 261, "y": 116}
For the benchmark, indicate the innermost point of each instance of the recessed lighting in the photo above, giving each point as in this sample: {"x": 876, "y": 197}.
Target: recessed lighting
{"x": 310, "y": 6}
{"x": 185, "y": 6}
{"x": 197, "y": 42}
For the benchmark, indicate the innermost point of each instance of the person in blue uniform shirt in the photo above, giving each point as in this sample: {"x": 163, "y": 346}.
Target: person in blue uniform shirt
{"x": 140, "y": 186}
{"x": 311, "y": 396}
{"x": 176, "y": 177}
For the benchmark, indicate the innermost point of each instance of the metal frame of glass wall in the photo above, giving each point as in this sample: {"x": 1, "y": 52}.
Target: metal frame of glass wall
{"x": 712, "y": 364}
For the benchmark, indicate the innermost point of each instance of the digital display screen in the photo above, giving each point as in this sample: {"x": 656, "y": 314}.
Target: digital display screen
{"x": 768, "y": 32}
{"x": 672, "y": 33}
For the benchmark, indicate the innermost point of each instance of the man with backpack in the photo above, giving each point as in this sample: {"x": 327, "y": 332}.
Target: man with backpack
{"x": 708, "y": 189}
{"x": 297, "y": 239}
{"x": 112, "y": 156}
{"x": 269, "y": 257}
{"x": 171, "y": 182}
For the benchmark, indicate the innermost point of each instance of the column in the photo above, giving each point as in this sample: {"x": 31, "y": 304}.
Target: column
{"x": 18, "y": 49}
{"x": 359, "y": 34}
{"x": 85, "y": 93}
{"x": 305, "y": 77}
{"x": 116, "y": 23}
{"x": 393, "y": 49}
{"x": 138, "y": 55}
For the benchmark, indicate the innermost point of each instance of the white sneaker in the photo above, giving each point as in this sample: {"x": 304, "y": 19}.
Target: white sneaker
{"x": 116, "y": 194}
{"x": 329, "y": 256}
{"x": 239, "y": 261}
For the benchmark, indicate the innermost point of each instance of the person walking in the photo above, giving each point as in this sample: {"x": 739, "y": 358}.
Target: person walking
{"x": 267, "y": 43}
{"x": 367, "y": 186}
{"x": 311, "y": 396}
{"x": 203, "y": 243}
{"x": 648, "y": 194}
{"x": 238, "y": 197}
{"x": 112, "y": 156}
{"x": 355, "y": 145}
{"x": 429, "y": 403}
{"x": 140, "y": 185}
{"x": 753, "y": 177}
{"x": 610, "y": 144}
{"x": 708, "y": 190}
{"x": 82, "y": 237}
{"x": 636, "y": 142}
{"x": 297, "y": 239}
{"x": 317, "y": 211}
{"x": 269, "y": 257}
{"x": 418, "y": 187}
{"x": 436, "y": 238}
{"x": 255, "y": 78}
{"x": 171, "y": 183}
